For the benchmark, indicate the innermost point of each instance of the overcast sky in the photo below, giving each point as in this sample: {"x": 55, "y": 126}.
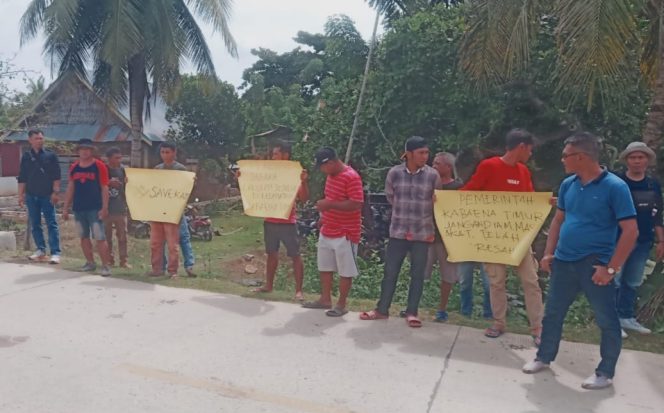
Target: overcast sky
{"x": 255, "y": 23}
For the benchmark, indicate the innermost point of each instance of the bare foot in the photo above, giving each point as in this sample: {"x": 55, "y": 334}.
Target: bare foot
{"x": 299, "y": 296}
{"x": 261, "y": 290}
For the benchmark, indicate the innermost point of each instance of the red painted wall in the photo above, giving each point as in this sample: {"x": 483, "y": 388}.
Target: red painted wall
{"x": 11, "y": 159}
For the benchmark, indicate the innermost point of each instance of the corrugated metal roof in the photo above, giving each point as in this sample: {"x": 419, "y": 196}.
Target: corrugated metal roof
{"x": 74, "y": 132}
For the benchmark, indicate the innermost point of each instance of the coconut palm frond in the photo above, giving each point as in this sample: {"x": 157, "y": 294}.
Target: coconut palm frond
{"x": 653, "y": 40}
{"x": 485, "y": 44}
{"x": 524, "y": 24}
{"x": 217, "y": 13}
{"x": 594, "y": 39}
{"x": 120, "y": 38}
{"x": 198, "y": 51}
{"x": 33, "y": 19}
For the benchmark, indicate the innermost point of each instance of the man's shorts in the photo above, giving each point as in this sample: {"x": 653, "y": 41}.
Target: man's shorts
{"x": 89, "y": 225}
{"x": 337, "y": 255}
{"x": 275, "y": 234}
{"x": 438, "y": 254}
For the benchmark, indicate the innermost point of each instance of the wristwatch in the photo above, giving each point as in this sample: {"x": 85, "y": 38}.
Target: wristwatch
{"x": 611, "y": 271}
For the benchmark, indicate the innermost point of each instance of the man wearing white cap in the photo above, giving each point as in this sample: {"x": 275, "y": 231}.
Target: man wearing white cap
{"x": 647, "y": 196}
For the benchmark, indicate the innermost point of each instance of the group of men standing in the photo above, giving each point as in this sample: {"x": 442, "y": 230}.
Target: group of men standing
{"x": 602, "y": 234}
{"x": 96, "y": 195}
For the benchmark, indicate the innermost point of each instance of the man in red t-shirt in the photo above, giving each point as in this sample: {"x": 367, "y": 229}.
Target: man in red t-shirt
{"x": 277, "y": 231}
{"x": 341, "y": 222}
{"x": 509, "y": 173}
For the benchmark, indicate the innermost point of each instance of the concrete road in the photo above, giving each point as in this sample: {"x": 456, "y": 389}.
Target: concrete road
{"x": 76, "y": 343}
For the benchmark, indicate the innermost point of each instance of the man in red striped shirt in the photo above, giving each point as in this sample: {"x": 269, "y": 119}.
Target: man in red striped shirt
{"x": 341, "y": 223}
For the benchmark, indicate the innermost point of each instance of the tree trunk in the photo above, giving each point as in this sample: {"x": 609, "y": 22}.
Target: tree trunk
{"x": 652, "y": 135}
{"x": 363, "y": 88}
{"x": 138, "y": 85}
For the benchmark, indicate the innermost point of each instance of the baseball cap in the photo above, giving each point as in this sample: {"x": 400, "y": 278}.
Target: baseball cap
{"x": 84, "y": 143}
{"x": 414, "y": 143}
{"x": 324, "y": 155}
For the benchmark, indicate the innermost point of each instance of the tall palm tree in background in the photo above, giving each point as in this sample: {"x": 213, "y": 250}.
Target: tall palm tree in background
{"x": 596, "y": 41}
{"x": 127, "y": 45}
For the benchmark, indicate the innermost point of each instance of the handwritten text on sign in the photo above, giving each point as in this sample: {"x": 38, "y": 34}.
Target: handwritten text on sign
{"x": 485, "y": 226}
{"x": 268, "y": 188}
{"x": 158, "y": 195}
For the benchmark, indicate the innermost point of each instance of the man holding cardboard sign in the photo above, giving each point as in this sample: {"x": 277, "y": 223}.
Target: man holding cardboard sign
{"x": 166, "y": 232}
{"x": 509, "y": 173}
{"x": 278, "y": 231}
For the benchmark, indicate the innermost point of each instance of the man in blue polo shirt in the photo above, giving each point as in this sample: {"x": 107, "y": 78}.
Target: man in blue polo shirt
{"x": 593, "y": 204}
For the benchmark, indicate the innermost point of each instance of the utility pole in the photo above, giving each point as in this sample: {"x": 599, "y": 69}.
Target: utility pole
{"x": 362, "y": 89}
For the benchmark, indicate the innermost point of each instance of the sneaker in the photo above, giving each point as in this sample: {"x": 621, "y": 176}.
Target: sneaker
{"x": 89, "y": 267}
{"x": 441, "y": 316}
{"x": 596, "y": 382}
{"x": 632, "y": 324}
{"x": 39, "y": 255}
{"x": 623, "y": 334}
{"x": 534, "y": 366}
{"x": 190, "y": 272}
{"x": 55, "y": 259}
{"x": 105, "y": 271}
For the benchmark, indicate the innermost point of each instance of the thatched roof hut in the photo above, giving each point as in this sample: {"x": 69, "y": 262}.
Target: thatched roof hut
{"x": 70, "y": 110}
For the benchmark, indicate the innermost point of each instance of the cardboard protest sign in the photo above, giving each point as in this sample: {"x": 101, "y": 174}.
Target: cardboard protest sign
{"x": 158, "y": 195}
{"x": 269, "y": 188}
{"x": 487, "y": 226}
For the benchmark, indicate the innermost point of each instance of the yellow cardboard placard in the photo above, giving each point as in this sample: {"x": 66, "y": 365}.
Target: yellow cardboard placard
{"x": 158, "y": 195}
{"x": 269, "y": 188}
{"x": 489, "y": 226}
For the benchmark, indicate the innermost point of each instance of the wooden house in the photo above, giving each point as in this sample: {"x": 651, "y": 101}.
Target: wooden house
{"x": 70, "y": 110}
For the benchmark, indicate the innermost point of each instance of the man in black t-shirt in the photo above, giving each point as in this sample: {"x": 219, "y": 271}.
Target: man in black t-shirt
{"x": 88, "y": 190}
{"x": 647, "y": 196}
{"x": 38, "y": 189}
{"x": 117, "y": 206}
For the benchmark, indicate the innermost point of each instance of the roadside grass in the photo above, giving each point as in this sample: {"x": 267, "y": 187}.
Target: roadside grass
{"x": 220, "y": 266}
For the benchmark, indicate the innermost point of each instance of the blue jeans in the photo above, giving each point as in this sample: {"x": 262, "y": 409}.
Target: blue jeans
{"x": 89, "y": 225}
{"x": 631, "y": 278}
{"x": 185, "y": 246}
{"x": 567, "y": 280}
{"x": 38, "y": 205}
{"x": 466, "y": 275}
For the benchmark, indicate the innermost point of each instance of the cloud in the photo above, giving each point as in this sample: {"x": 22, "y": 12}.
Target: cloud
{"x": 255, "y": 23}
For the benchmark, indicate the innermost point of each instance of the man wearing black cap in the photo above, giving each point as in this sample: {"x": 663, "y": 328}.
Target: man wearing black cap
{"x": 410, "y": 189}
{"x": 88, "y": 189}
{"x": 341, "y": 222}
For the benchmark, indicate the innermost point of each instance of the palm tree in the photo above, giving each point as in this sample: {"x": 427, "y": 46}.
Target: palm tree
{"x": 128, "y": 45}
{"x": 393, "y": 9}
{"x": 596, "y": 40}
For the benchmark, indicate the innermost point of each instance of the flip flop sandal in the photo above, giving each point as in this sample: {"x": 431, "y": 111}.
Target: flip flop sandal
{"x": 413, "y": 321}
{"x": 493, "y": 332}
{"x": 373, "y": 315}
{"x": 316, "y": 305}
{"x": 336, "y": 312}
{"x": 299, "y": 297}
